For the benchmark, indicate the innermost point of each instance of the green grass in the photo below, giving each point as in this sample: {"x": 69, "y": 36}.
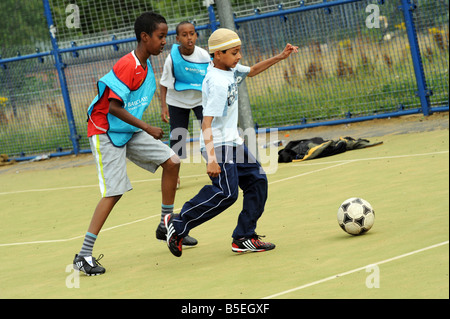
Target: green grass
{"x": 409, "y": 193}
{"x": 328, "y": 98}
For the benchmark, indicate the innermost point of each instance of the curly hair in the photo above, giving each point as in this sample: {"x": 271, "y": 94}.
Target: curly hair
{"x": 147, "y": 22}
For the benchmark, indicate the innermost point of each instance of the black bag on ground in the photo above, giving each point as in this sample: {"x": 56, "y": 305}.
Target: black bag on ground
{"x": 317, "y": 147}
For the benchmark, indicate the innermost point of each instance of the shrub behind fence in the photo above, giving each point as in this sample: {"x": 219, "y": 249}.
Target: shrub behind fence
{"x": 353, "y": 63}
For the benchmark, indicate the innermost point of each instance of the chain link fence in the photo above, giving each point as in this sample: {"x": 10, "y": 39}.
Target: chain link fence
{"x": 355, "y": 62}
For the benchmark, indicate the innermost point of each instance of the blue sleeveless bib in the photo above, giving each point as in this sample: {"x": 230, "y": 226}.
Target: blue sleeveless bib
{"x": 188, "y": 75}
{"x": 135, "y": 102}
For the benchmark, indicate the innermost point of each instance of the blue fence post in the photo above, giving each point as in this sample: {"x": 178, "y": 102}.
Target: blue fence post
{"x": 212, "y": 15}
{"x": 424, "y": 94}
{"x": 74, "y": 137}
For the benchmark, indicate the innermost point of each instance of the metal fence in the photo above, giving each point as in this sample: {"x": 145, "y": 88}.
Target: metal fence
{"x": 358, "y": 60}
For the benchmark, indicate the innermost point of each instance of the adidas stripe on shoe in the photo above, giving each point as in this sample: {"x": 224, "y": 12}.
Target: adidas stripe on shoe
{"x": 187, "y": 240}
{"x": 89, "y": 265}
{"x": 253, "y": 244}
{"x": 174, "y": 242}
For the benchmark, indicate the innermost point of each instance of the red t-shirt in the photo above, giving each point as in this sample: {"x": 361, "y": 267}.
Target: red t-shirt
{"x": 130, "y": 71}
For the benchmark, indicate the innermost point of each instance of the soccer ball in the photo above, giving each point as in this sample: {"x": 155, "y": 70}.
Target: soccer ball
{"x": 355, "y": 216}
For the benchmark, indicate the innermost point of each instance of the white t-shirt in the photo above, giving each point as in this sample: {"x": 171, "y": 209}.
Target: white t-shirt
{"x": 220, "y": 100}
{"x": 185, "y": 99}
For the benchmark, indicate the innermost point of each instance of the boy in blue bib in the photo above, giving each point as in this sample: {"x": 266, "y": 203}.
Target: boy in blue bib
{"x": 181, "y": 85}
{"x": 116, "y": 133}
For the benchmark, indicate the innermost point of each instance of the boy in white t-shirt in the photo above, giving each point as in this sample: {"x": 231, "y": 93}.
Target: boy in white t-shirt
{"x": 229, "y": 164}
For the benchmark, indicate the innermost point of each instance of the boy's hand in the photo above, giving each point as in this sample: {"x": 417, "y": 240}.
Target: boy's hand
{"x": 156, "y": 132}
{"x": 264, "y": 65}
{"x": 165, "y": 114}
{"x": 116, "y": 109}
{"x": 288, "y": 50}
{"x": 213, "y": 169}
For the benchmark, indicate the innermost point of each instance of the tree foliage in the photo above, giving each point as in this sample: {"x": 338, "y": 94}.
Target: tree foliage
{"x": 22, "y": 22}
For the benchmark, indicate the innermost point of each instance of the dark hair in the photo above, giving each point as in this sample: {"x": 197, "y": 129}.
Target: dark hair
{"x": 147, "y": 22}
{"x": 212, "y": 54}
{"x": 177, "y": 29}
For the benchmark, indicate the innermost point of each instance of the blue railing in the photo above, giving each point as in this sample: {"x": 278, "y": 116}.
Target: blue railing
{"x": 406, "y": 7}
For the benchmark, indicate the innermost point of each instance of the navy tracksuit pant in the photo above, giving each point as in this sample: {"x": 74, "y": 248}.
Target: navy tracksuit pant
{"x": 239, "y": 169}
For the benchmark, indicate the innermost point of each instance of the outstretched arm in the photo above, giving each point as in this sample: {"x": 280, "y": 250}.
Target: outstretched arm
{"x": 264, "y": 65}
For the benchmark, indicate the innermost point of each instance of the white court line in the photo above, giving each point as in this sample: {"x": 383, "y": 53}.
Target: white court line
{"x": 76, "y": 237}
{"x": 371, "y": 158}
{"x": 146, "y": 218}
{"x": 354, "y": 270}
{"x": 307, "y": 163}
{"x": 307, "y": 173}
{"x": 339, "y": 163}
{"x": 85, "y": 186}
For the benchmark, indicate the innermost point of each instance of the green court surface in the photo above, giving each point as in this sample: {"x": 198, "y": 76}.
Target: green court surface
{"x": 45, "y": 212}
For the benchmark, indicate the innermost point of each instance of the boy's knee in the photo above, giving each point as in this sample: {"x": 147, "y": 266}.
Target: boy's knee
{"x": 175, "y": 160}
{"x": 259, "y": 182}
{"x": 264, "y": 186}
{"x": 173, "y": 163}
{"x": 229, "y": 200}
{"x": 233, "y": 195}
{"x": 265, "y": 182}
{"x": 258, "y": 187}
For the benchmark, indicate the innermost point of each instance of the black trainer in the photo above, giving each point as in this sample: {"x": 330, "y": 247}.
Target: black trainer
{"x": 174, "y": 242}
{"x": 161, "y": 233}
{"x": 89, "y": 265}
{"x": 252, "y": 243}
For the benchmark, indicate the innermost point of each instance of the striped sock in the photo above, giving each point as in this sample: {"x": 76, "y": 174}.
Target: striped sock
{"x": 165, "y": 209}
{"x": 88, "y": 245}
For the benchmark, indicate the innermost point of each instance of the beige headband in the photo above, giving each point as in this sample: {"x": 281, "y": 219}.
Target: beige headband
{"x": 223, "y": 39}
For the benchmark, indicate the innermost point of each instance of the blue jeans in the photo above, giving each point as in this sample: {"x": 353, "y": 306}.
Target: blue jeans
{"x": 239, "y": 169}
